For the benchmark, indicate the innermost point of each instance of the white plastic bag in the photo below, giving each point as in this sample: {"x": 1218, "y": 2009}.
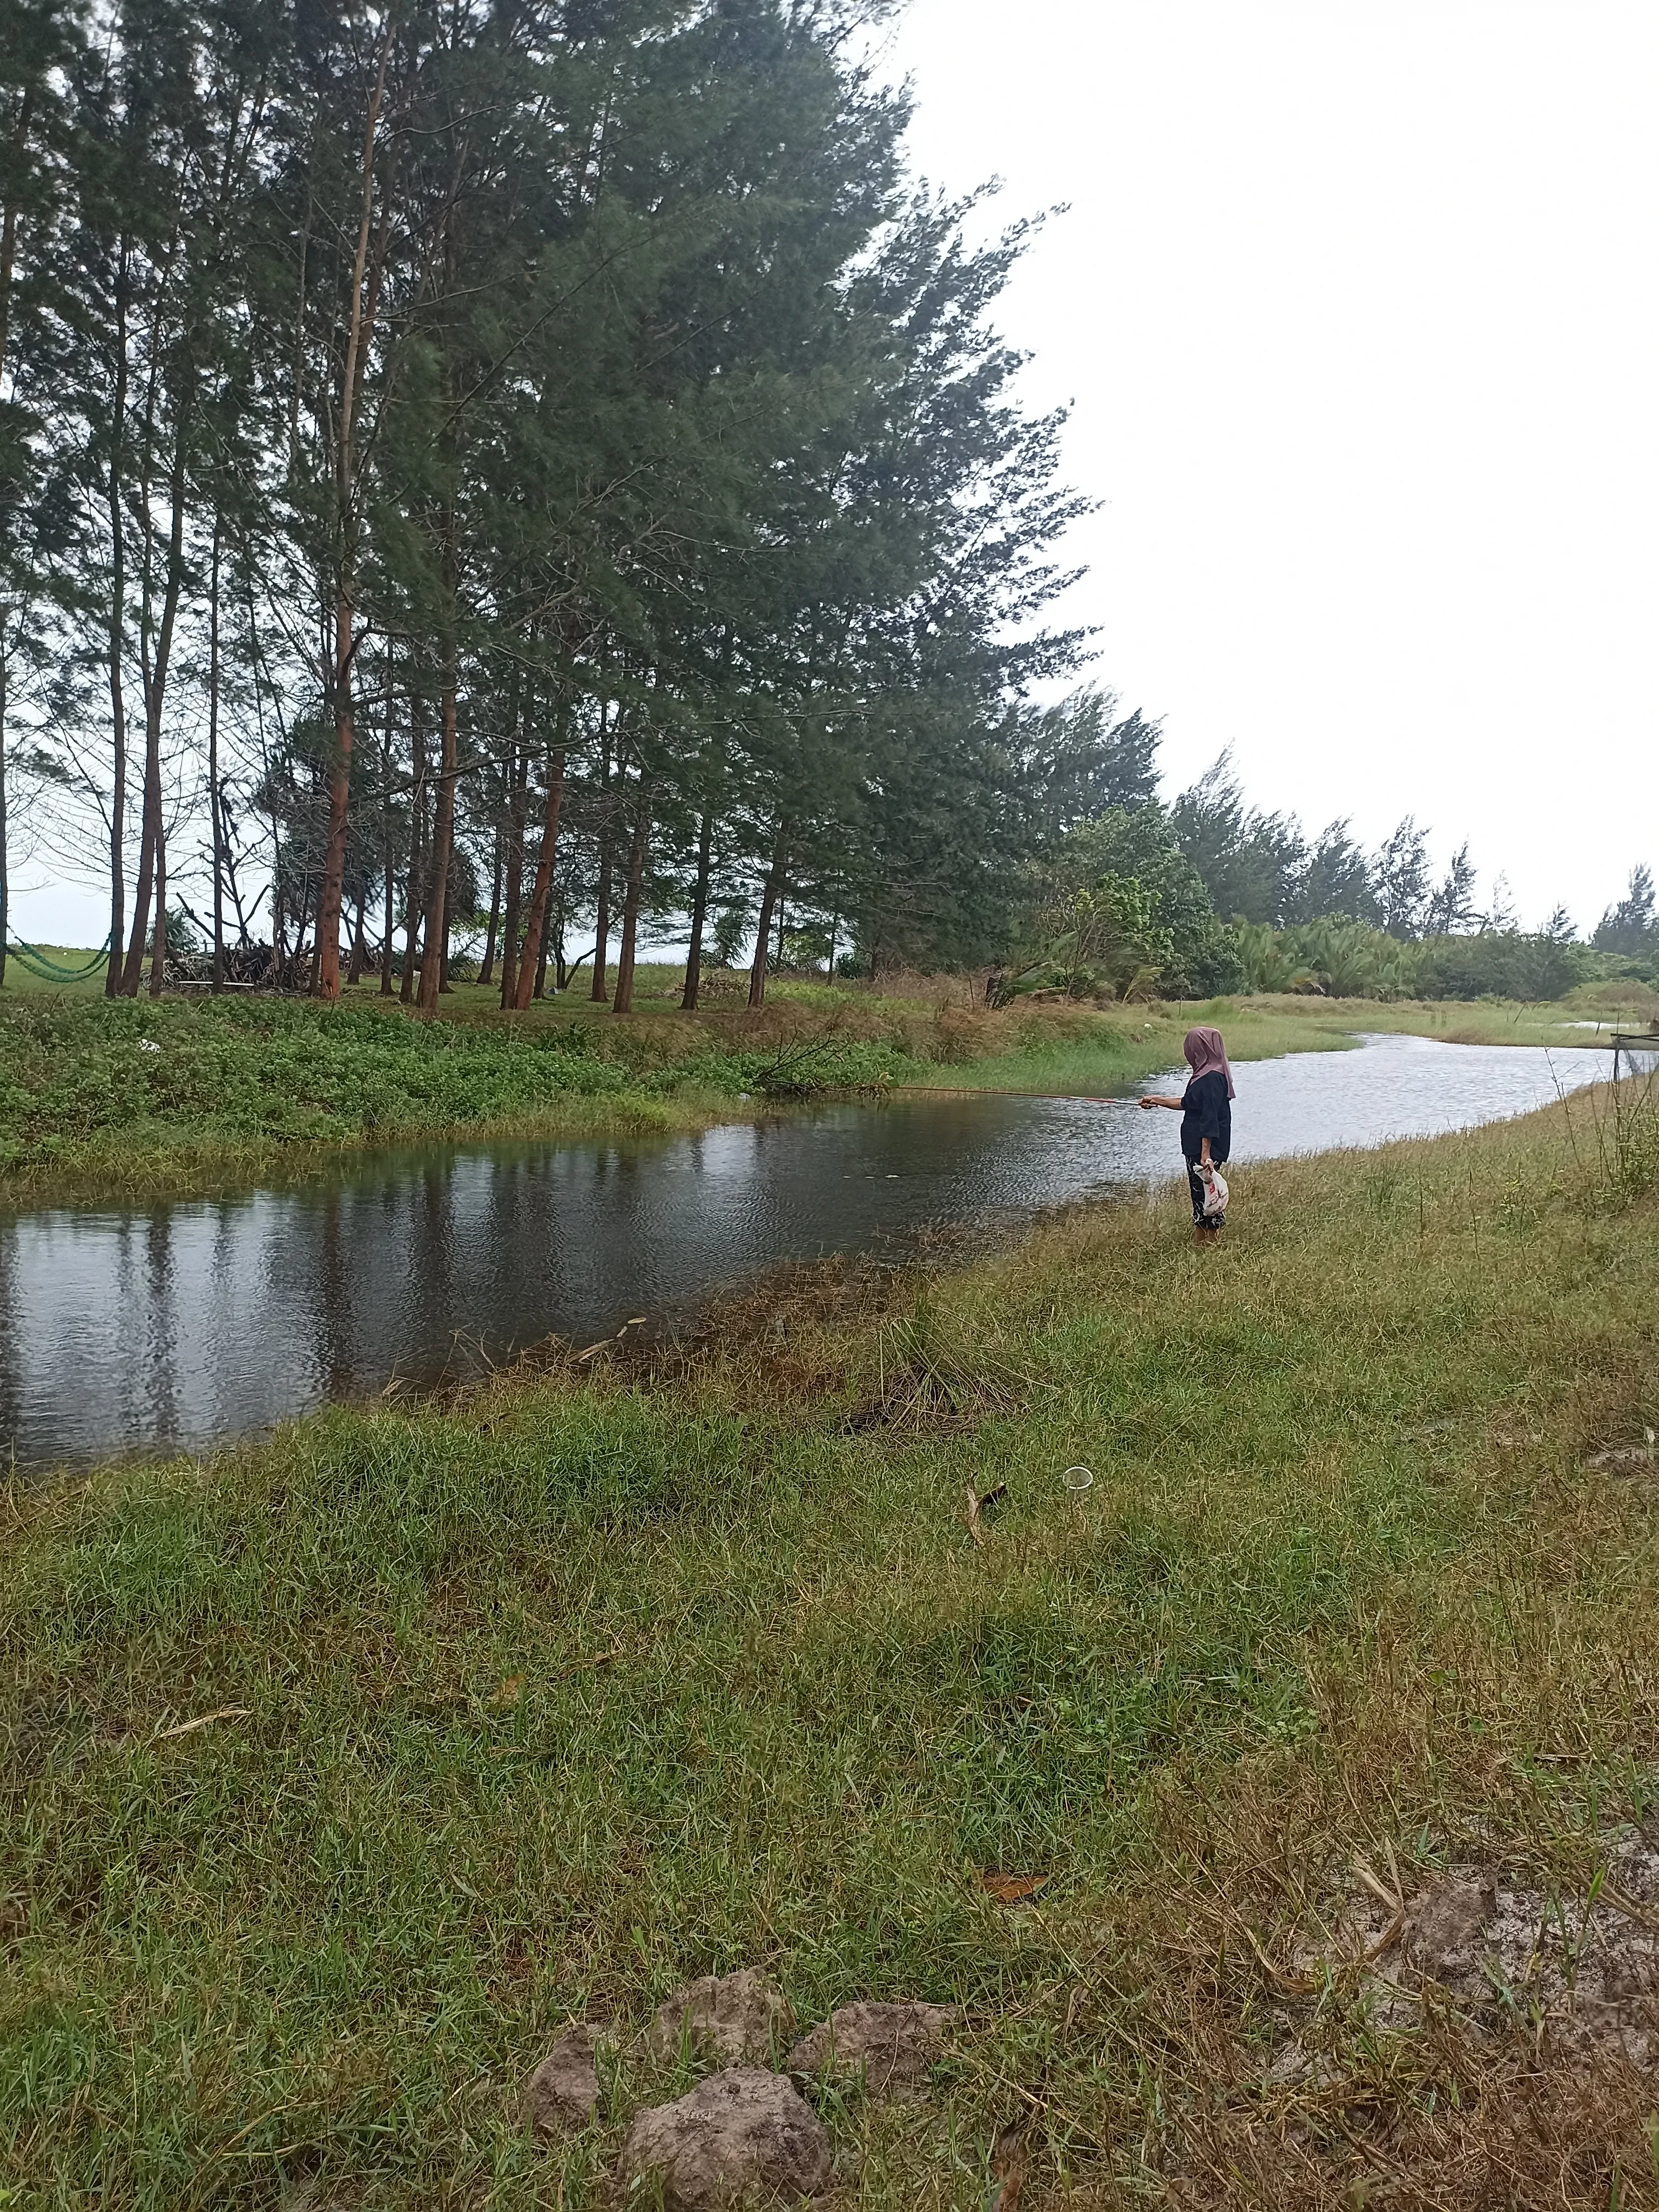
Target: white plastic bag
{"x": 1215, "y": 1191}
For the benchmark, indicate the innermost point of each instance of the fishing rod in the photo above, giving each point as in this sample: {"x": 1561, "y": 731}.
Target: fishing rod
{"x": 967, "y": 1090}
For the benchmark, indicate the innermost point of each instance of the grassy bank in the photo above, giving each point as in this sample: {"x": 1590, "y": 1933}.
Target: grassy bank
{"x": 529, "y": 1708}
{"x": 21, "y": 978}
{"x": 190, "y": 1095}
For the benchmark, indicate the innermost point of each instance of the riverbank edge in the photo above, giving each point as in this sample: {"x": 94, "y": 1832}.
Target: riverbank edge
{"x": 1430, "y": 1593}
{"x": 152, "y": 1163}
{"x": 222, "y": 1169}
{"x": 146, "y": 1161}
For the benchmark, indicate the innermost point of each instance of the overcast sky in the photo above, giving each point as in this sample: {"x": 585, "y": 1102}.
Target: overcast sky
{"x": 1357, "y": 306}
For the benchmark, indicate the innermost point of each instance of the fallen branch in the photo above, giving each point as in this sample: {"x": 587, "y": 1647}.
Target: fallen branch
{"x": 203, "y": 1720}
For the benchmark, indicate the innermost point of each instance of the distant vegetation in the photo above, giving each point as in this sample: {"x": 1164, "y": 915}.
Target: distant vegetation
{"x": 476, "y": 485}
{"x": 1139, "y": 900}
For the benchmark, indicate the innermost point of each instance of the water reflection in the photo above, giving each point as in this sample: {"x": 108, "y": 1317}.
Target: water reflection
{"x": 179, "y": 1325}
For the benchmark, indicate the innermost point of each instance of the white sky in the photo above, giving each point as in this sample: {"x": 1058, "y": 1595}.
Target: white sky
{"x": 1358, "y": 302}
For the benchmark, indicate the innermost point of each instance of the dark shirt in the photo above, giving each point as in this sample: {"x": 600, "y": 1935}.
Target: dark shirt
{"x": 1207, "y": 1111}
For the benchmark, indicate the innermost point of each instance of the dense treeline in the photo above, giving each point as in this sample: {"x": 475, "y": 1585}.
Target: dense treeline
{"x": 486, "y": 477}
{"x": 1135, "y": 899}
{"x": 538, "y": 457}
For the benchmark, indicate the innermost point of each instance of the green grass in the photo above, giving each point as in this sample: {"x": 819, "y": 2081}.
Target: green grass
{"x": 21, "y": 979}
{"x": 188, "y": 1095}
{"x": 184, "y": 1096}
{"x": 556, "y": 1696}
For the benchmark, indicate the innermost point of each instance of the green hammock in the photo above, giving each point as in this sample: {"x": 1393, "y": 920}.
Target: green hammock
{"x": 42, "y": 963}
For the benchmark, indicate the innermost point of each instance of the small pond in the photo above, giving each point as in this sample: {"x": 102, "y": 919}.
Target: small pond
{"x": 176, "y": 1326}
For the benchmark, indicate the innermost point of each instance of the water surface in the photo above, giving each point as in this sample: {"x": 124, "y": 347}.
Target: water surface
{"x": 179, "y": 1324}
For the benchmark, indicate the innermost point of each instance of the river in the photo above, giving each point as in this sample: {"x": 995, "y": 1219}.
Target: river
{"x": 176, "y": 1326}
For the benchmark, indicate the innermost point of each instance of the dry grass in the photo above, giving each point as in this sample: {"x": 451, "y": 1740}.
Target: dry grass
{"x": 592, "y": 1680}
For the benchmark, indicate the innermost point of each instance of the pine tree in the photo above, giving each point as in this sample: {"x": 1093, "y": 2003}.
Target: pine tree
{"x": 1630, "y": 928}
{"x": 1451, "y": 908}
{"x": 1337, "y": 881}
{"x": 1400, "y": 876}
{"x": 1251, "y": 864}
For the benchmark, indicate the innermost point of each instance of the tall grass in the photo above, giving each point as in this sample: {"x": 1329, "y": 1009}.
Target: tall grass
{"x": 1623, "y": 1121}
{"x": 532, "y": 1705}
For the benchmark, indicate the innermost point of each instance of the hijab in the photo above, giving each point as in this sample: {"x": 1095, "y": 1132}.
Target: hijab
{"x": 1207, "y": 1056}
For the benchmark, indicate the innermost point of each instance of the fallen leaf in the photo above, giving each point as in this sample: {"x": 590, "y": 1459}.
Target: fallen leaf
{"x": 203, "y": 1720}
{"x": 1010, "y": 2161}
{"x": 973, "y": 1527}
{"x": 1013, "y": 1888}
{"x": 1379, "y": 1890}
{"x": 1292, "y": 1984}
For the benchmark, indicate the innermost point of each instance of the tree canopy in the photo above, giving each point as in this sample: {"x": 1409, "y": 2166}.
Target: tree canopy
{"x": 553, "y": 445}
{"x": 501, "y": 472}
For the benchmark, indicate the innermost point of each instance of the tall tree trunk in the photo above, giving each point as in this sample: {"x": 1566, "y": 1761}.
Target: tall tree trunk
{"x": 510, "y": 954}
{"x": 213, "y": 769}
{"x": 533, "y": 961}
{"x": 500, "y": 926}
{"x": 388, "y": 856}
{"x": 602, "y": 923}
{"x": 693, "y": 989}
{"x": 132, "y": 972}
{"x": 158, "y": 944}
{"x": 359, "y": 333}
{"x": 443, "y": 838}
{"x": 339, "y": 793}
{"x": 360, "y": 943}
{"x": 5, "y": 872}
{"x": 768, "y": 902}
{"x": 699, "y": 912}
{"x": 153, "y": 864}
{"x": 278, "y": 915}
{"x": 602, "y": 919}
{"x": 449, "y": 932}
{"x": 541, "y": 954}
{"x": 413, "y": 899}
{"x": 113, "y": 979}
{"x": 488, "y": 970}
{"x": 624, "y": 999}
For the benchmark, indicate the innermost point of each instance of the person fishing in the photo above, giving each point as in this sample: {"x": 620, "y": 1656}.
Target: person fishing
{"x": 1206, "y": 1122}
